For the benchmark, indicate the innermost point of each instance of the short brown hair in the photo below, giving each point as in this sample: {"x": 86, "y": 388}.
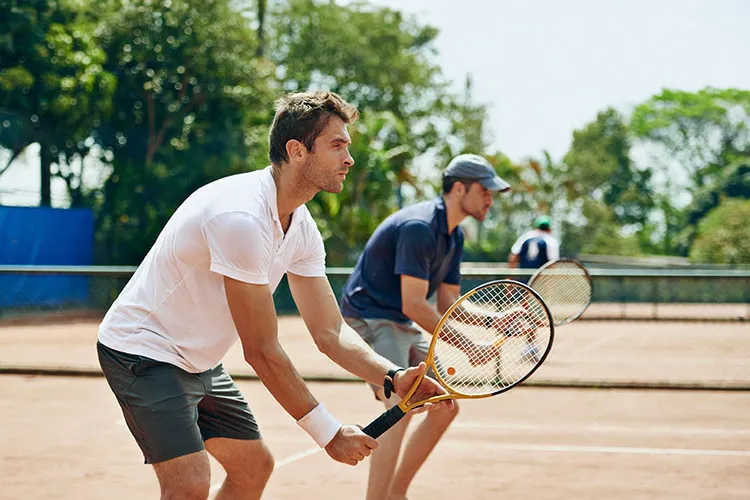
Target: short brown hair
{"x": 303, "y": 116}
{"x": 449, "y": 181}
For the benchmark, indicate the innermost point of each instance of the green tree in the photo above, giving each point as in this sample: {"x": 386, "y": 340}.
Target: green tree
{"x": 378, "y": 58}
{"x": 734, "y": 182}
{"x": 704, "y": 135}
{"x": 610, "y": 199}
{"x": 702, "y": 132}
{"x": 723, "y": 236}
{"x": 347, "y": 219}
{"x": 193, "y": 105}
{"x": 54, "y": 88}
{"x": 405, "y": 109}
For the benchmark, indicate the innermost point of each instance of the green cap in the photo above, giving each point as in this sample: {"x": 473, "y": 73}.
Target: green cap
{"x": 542, "y": 222}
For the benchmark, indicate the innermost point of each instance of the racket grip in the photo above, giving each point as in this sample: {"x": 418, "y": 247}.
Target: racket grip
{"x": 384, "y": 422}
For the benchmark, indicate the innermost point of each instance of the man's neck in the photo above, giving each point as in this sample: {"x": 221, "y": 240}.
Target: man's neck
{"x": 453, "y": 212}
{"x": 291, "y": 192}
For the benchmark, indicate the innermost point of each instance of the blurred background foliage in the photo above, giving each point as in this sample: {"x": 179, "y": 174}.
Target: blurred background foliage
{"x": 136, "y": 103}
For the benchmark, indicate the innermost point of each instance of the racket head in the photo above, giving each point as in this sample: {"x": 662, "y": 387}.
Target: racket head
{"x": 504, "y": 364}
{"x": 517, "y": 351}
{"x": 566, "y": 287}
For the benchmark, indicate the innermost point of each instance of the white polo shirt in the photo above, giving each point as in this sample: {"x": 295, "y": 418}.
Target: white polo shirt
{"x": 174, "y": 308}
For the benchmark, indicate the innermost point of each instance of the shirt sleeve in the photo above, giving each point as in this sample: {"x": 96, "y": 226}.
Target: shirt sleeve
{"x": 310, "y": 258}
{"x": 516, "y": 248}
{"x": 414, "y": 248}
{"x": 240, "y": 246}
{"x": 553, "y": 249}
{"x": 454, "y": 275}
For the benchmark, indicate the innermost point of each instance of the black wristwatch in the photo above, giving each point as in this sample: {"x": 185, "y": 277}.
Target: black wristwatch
{"x": 388, "y": 382}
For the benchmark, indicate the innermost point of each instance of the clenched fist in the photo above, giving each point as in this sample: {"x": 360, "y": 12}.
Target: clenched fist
{"x": 350, "y": 445}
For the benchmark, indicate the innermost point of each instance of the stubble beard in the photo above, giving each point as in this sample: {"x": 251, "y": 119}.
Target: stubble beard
{"x": 318, "y": 177}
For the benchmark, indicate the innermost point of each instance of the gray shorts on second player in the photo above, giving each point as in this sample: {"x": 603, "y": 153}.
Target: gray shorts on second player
{"x": 401, "y": 343}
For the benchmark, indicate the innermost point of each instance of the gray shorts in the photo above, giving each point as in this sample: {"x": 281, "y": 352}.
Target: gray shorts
{"x": 401, "y": 343}
{"x": 171, "y": 412}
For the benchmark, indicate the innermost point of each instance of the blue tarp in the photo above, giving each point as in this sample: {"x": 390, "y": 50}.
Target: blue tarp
{"x": 44, "y": 236}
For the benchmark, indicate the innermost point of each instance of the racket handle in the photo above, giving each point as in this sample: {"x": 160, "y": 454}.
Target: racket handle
{"x": 384, "y": 422}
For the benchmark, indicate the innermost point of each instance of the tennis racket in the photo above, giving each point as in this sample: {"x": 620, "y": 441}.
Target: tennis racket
{"x": 480, "y": 347}
{"x": 566, "y": 287}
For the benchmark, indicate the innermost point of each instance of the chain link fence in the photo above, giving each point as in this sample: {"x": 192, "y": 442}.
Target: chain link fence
{"x": 27, "y": 292}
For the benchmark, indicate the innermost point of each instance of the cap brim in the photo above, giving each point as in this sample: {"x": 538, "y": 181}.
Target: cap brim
{"x": 495, "y": 183}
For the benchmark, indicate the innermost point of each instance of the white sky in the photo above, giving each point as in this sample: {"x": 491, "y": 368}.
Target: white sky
{"x": 546, "y": 67}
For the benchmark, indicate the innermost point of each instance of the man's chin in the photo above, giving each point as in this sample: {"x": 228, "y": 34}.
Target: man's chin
{"x": 334, "y": 188}
{"x": 480, "y": 216}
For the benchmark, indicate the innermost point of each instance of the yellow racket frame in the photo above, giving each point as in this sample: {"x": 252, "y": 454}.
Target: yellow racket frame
{"x": 393, "y": 415}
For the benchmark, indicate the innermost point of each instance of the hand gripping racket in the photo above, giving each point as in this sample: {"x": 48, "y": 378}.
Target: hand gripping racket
{"x": 566, "y": 288}
{"x": 480, "y": 347}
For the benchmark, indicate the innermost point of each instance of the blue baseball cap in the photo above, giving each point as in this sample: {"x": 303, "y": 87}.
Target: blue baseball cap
{"x": 476, "y": 168}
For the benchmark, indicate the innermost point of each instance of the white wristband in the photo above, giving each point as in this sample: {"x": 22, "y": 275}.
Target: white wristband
{"x": 320, "y": 424}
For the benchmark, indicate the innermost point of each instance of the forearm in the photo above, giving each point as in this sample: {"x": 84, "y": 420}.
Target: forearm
{"x": 278, "y": 374}
{"x": 423, "y": 314}
{"x": 347, "y": 349}
{"x": 513, "y": 260}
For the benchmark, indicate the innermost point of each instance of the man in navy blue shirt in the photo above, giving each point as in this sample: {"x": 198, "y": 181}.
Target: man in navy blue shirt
{"x": 413, "y": 254}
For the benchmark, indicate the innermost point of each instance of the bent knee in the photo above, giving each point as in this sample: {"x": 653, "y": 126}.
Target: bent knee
{"x": 255, "y": 468}
{"x": 190, "y": 488}
{"x": 265, "y": 464}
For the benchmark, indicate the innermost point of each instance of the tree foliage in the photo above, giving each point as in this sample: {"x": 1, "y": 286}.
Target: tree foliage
{"x": 167, "y": 95}
{"x": 54, "y": 88}
{"x": 192, "y": 105}
{"x": 723, "y": 236}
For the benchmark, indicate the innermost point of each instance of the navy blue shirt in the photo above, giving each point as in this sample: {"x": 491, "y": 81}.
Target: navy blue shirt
{"x": 413, "y": 241}
{"x": 533, "y": 259}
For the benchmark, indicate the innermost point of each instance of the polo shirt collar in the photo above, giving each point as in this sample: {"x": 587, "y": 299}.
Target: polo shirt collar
{"x": 273, "y": 205}
{"x": 442, "y": 215}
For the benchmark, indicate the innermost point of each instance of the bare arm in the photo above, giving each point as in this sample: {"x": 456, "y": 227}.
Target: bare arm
{"x": 414, "y": 303}
{"x": 447, "y": 294}
{"x": 254, "y": 317}
{"x": 319, "y": 309}
{"x": 513, "y": 259}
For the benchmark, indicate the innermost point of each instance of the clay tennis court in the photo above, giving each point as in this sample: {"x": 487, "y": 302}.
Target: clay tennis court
{"x": 63, "y": 436}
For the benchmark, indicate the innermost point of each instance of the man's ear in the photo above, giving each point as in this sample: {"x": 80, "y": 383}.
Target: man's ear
{"x": 295, "y": 150}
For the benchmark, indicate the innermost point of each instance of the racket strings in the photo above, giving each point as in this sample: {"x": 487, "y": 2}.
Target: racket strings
{"x": 566, "y": 288}
{"x": 492, "y": 340}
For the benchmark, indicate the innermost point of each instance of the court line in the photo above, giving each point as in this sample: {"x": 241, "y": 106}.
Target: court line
{"x": 297, "y": 456}
{"x": 281, "y": 463}
{"x": 562, "y": 428}
{"x": 686, "y": 361}
{"x": 622, "y": 450}
{"x": 568, "y": 448}
{"x": 619, "y": 450}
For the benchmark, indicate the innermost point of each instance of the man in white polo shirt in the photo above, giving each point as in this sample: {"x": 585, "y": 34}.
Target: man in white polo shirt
{"x": 208, "y": 281}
